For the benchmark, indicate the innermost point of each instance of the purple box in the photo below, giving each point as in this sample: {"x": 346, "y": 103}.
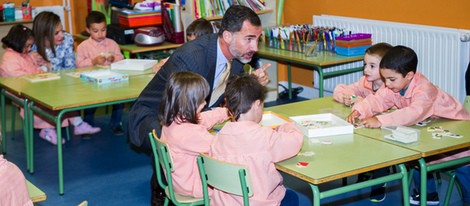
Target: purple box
{"x": 357, "y": 36}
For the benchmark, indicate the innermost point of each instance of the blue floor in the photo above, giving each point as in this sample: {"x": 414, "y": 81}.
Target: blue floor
{"x": 106, "y": 170}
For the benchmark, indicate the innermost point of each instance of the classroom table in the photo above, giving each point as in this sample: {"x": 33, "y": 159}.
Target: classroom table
{"x": 428, "y": 146}
{"x": 319, "y": 62}
{"x": 68, "y": 94}
{"x": 128, "y": 49}
{"x": 339, "y": 156}
{"x": 12, "y": 87}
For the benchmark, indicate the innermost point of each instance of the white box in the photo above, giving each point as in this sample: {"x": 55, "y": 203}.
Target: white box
{"x": 319, "y": 125}
{"x": 400, "y": 134}
{"x": 271, "y": 119}
{"x": 134, "y": 64}
{"x": 103, "y": 76}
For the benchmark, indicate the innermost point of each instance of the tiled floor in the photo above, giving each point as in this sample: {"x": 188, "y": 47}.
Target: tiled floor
{"x": 106, "y": 170}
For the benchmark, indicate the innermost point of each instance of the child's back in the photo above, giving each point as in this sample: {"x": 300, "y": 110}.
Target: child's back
{"x": 185, "y": 128}
{"x": 258, "y": 148}
{"x": 247, "y": 143}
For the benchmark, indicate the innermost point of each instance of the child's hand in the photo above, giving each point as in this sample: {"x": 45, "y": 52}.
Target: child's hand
{"x": 351, "y": 118}
{"x": 371, "y": 122}
{"x": 110, "y": 58}
{"x": 99, "y": 60}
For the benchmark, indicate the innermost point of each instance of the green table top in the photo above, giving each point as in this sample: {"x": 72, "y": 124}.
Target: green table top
{"x": 16, "y": 85}
{"x": 347, "y": 155}
{"x": 313, "y": 106}
{"x": 321, "y": 59}
{"x": 426, "y": 144}
{"x": 84, "y": 93}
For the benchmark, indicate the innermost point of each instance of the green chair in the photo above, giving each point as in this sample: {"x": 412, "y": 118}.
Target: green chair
{"x": 224, "y": 176}
{"x": 161, "y": 155}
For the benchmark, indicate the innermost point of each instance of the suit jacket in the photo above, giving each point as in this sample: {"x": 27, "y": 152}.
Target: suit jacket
{"x": 199, "y": 56}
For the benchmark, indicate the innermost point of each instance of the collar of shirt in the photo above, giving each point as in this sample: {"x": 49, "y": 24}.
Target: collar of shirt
{"x": 220, "y": 64}
{"x": 96, "y": 44}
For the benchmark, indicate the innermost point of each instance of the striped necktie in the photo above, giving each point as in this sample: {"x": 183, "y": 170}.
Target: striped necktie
{"x": 221, "y": 84}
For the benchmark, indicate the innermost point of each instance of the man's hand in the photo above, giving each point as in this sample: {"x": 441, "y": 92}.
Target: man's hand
{"x": 263, "y": 76}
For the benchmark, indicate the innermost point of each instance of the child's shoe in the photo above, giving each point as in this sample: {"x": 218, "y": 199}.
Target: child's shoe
{"x": 117, "y": 129}
{"x": 378, "y": 194}
{"x": 85, "y": 128}
{"x": 431, "y": 198}
{"x": 50, "y": 135}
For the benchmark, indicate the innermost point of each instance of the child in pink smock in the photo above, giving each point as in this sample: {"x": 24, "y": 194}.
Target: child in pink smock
{"x": 246, "y": 142}
{"x": 367, "y": 84}
{"x": 17, "y": 62}
{"x": 13, "y": 189}
{"x": 416, "y": 99}
{"x": 185, "y": 128}
{"x": 101, "y": 51}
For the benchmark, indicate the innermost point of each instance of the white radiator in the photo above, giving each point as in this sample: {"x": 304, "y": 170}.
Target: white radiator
{"x": 443, "y": 53}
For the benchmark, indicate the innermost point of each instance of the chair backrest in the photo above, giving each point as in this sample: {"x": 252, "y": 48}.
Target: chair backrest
{"x": 162, "y": 157}
{"x": 466, "y": 103}
{"x": 224, "y": 176}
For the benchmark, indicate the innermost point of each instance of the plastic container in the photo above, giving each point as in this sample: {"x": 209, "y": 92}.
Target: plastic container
{"x": 354, "y": 51}
{"x": 351, "y": 37}
{"x": 9, "y": 11}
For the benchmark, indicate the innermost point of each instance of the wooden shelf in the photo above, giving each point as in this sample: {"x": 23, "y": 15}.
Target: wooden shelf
{"x": 265, "y": 11}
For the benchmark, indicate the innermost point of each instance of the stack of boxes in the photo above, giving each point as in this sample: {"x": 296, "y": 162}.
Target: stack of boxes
{"x": 353, "y": 44}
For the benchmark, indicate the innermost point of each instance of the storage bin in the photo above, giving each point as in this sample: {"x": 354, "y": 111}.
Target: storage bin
{"x": 354, "y": 51}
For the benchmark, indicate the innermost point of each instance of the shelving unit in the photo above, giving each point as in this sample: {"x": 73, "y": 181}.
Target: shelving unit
{"x": 213, "y": 18}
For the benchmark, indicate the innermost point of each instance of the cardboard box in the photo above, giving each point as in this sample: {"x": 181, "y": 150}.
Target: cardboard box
{"x": 104, "y": 76}
{"x": 319, "y": 125}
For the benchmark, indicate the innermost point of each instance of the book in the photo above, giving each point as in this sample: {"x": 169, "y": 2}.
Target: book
{"x": 42, "y": 77}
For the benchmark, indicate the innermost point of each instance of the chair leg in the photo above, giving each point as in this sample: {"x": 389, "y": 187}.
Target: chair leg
{"x": 437, "y": 175}
{"x": 450, "y": 187}
{"x": 67, "y": 131}
{"x": 13, "y": 120}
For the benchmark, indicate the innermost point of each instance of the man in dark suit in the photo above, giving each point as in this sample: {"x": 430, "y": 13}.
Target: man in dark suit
{"x": 236, "y": 42}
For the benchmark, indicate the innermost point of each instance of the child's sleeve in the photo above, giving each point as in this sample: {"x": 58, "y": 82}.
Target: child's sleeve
{"x": 285, "y": 141}
{"x": 420, "y": 108}
{"x": 356, "y": 88}
{"x": 82, "y": 59}
{"x": 375, "y": 103}
{"x": 117, "y": 52}
{"x": 212, "y": 117}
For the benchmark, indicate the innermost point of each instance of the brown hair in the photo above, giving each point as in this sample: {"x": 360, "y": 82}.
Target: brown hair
{"x": 241, "y": 91}
{"x": 379, "y": 49}
{"x": 44, "y": 25}
{"x": 183, "y": 94}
